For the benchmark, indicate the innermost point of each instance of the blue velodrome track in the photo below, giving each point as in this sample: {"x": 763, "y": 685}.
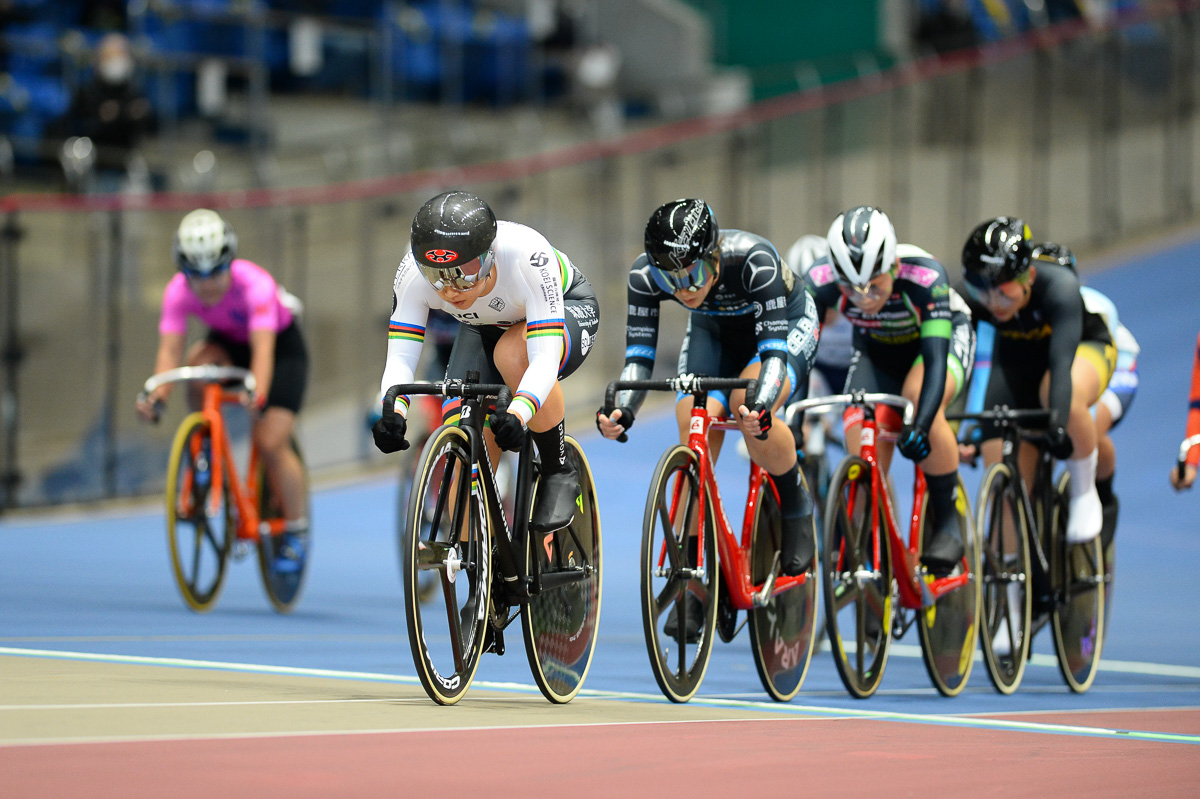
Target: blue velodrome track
{"x": 100, "y": 583}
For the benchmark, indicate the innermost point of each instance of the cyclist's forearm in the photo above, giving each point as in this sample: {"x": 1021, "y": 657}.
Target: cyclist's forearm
{"x": 262, "y": 361}
{"x": 537, "y": 382}
{"x": 934, "y": 351}
{"x": 634, "y": 370}
{"x": 170, "y": 353}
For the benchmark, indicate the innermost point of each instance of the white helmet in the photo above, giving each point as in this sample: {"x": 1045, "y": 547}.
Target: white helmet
{"x": 807, "y": 250}
{"x": 204, "y": 243}
{"x": 862, "y": 243}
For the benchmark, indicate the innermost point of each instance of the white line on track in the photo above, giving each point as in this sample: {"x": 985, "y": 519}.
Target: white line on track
{"x": 712, "y": 702}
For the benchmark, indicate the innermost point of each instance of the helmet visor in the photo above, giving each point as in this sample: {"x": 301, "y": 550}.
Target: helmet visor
{"x": 460, "y": 278}
{"x": 203, "y": 274}
{"x": 688, "y": 278}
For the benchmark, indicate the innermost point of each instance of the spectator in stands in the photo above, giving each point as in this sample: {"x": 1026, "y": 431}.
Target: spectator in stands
{"x": 110, "y": 109}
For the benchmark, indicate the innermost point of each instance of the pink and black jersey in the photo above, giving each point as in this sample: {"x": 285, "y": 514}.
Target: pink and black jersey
{"x": 251, "y": 303}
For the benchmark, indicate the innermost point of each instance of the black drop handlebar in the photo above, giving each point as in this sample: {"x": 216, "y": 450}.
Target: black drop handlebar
{"x": 691, "y": 384}
{"x": 448, "y": 388}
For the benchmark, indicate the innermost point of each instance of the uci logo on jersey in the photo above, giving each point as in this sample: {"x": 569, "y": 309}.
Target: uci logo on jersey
{"x": 441, "y": 256}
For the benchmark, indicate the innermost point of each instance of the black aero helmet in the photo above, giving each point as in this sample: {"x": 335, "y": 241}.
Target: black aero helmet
{"x": 681, "y": 243}
{"x": 449, "y": 231}
{"x": 997, "y": 251}
{"x": 1055, "y": 254}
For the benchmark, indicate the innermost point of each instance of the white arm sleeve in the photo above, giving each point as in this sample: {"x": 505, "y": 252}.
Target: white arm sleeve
{"x": 406, "y": 330}
{"x": 545, "y": 331}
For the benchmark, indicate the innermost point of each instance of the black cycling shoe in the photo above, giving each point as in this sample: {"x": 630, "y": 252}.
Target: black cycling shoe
{"x": 555, "y": 504}
{"x": 797, "y": 550}
{"x": 1108, "y": 528}
{"x": 943, "y": 550}
{"x": 695, "y": 619}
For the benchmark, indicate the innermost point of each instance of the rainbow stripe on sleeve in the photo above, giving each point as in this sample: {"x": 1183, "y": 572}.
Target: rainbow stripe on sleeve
{"x": 545, "y": 327}
{"x": 529, "y": 400}
{"x": 406, "y": 332}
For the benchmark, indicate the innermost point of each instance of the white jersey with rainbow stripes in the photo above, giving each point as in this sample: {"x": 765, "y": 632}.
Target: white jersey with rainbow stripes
{"x": 531, "y": 277}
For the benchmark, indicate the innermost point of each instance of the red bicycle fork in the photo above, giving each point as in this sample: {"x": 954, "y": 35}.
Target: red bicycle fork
{"x": 917, "y": 589}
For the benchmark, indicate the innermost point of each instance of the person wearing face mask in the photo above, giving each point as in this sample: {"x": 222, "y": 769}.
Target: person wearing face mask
{"x": 111, "y": 108}
{"x": 912, "y": 336}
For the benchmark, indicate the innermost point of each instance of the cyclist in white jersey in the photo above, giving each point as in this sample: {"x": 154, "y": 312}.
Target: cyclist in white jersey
{"x": 529, "y": 319}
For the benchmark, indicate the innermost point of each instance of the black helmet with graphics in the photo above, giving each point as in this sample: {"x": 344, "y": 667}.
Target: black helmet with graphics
{"x": 681, "y": 242}
{"x": 996, "y": 252}
{"x": 1055, "y": 254}
{"x": 450, "y": 231}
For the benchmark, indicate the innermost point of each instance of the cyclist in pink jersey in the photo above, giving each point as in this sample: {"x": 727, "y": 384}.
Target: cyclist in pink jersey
{"x": 249, "y": 325}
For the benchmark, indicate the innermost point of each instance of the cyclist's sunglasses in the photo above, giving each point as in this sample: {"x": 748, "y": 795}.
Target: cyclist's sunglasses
{"x": 197, "y": 274}
{"x": 687, "y": 278}
{"x": 999, "y": 295}
{"x": 460, "y": 278}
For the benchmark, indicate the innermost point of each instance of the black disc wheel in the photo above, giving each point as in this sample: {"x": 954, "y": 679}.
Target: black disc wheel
{"x": 1007, "y": 583}
{"x": 1077, "y": 571}
{"x": 447, "y": 633}
{"x": 948, "y": 629}
{"x": 561, "y": 621}
{"x": 857, "y": 573}
{"x": 200, "y": 521}
{"x": 783, "y": 628}
{"x": 679, "y": 577}
{"x": 283, "y": 578}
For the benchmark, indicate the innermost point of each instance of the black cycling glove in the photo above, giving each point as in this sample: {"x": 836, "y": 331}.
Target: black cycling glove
{"x": 508, "y": 429}
{"x": 1058, "y": 443}
{"x": 914, "y": 443}
{"x": 765, "y": 417}
{"x": 626, "y": 420}
{"x": 389, "y": 438}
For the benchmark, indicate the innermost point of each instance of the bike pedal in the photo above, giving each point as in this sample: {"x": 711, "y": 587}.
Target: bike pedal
{"x": 493, "y": 640}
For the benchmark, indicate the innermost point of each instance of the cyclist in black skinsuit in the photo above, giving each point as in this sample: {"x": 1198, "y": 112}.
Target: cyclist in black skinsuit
{"x": 750, "y": 318}
{"x": 912, "y": 336}
{"x": 1050, "y": 352}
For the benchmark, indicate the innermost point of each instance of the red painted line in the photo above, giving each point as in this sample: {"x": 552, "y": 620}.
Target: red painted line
{"x": 664, "y": 760}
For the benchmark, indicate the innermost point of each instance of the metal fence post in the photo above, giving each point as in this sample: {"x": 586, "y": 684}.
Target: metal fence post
{"x": 14, "y": 353}
{"x": 112, "y": 375}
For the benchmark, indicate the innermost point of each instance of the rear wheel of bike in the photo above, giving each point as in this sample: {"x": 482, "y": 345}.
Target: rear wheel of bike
{"x": 447, "y": 633}
{"x": 783, "y": 630}
{"x": 561, "y": 622}
{"x": 282, "y": 587}
{"x": 674, "y": 588}
{"x": 949, "y": 629}
{"x": 1006, "y": 572}
{"x": 1078, "y": 616}
{"x": 857, "y": 579}
{"x": 200, "y": 521}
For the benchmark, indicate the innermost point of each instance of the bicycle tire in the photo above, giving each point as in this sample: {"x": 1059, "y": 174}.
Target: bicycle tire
{"x": 1078, "y": 616}
{"x": 678, "y": 664}
{"x": 282, "y": 588}
{"x": 856, "y": 548}
{"x": 447, "y": 636}
{"x": 1006, "y": 569}
{"x": 783, "y": 630}
{"x": 949, "y": 629}
{"x": 199, "y": 535}
{"x": 409, "y": 464}
{"x": 560, "y": 624}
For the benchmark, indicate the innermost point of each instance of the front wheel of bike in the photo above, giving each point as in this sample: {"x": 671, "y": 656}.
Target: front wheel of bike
{"x": 447, "y": 633}
{"x": 948, "y": 629}
{"x": 679, "y": 590}
{"x": 782, "y": 631}
{"x": 561, "y": 622}
{"x": 200, "y": 520}
{"x": 1006, "y": 570}
{"x": 857, "y": 579}
{"x": 283, "y": 586}
{"x": 1078, "y": 617}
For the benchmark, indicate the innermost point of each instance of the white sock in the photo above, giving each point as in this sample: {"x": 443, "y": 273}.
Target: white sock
{"x": 1083, "y": 473}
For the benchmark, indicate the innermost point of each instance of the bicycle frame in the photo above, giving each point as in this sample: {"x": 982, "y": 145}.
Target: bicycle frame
{"x": 915, "y": 592}
{"x": 734, "y": 555}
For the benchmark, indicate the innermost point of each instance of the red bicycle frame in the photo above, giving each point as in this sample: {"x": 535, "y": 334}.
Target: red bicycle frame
{"x": 734, "y": 556}
{"x": 914, "y": 591}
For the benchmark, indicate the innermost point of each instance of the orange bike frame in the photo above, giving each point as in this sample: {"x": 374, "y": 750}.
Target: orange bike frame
{"x": 734, "y": 556}
{"x": 914, "y": 592}
{"x": 244, "y": 494}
